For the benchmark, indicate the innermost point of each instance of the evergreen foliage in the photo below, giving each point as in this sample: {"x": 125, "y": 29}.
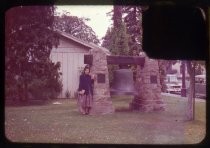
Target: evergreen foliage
{"x": 29, "y": 39}
{"x": 116, "y": 39}
{"x": 133, "y": 21}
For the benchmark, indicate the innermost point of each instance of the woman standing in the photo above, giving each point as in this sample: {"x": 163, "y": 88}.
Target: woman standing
{"x": 85, "y": 97}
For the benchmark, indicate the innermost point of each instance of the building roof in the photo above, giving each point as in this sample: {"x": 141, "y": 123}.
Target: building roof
{"x": 89, "y": 45}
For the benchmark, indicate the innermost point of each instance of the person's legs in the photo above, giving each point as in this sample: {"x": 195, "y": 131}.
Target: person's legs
{"x": 88, "y": 110}
{"x": 80, "y": 104}
{"x": 82, "y": 110}
{"x": 89, "y": 103}
{"x": 86, "y": 105}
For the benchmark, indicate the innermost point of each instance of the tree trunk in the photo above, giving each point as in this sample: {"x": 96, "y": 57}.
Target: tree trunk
{"x": 162, "y": 71}
{"x": 191, "y": 92}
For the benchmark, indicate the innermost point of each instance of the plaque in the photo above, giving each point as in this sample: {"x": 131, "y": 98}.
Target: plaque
{"x": 101, "y": 78}
{"x": 153, "y": 79}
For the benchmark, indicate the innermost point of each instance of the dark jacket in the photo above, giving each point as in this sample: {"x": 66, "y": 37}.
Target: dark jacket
{"x": 86, "y": 83}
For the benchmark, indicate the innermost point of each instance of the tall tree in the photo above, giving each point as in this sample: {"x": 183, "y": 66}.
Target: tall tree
{"x": 75, "y": 26}
{"x": 191, "y": 68}
{"x": 117, "y": 16}
{"x": 162, "y": 70}
{"x": 29, "y": 40}
{"x": 119, "y": 41}
{"x": 191, "y": 95}
{"x": 133, "y": 20}
{"x": 116, "y": 38}
{"x": 107, "y": 38}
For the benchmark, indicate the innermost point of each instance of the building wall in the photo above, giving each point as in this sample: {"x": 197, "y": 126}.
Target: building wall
{"x": 71, "y": 57}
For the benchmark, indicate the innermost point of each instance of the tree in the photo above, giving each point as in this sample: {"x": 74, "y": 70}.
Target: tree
{"x": 168, "y": 64}
{"x": 117, "y": 16}
{"x": 162, "y": 70}
{"x": 29, "y": 40}
{"x": 191, "y": 91}
{"x": 191, "y": 68}
{"x": 107, "y": 38}
{"x": 119, "y": 41}
{"x": 165, "y": 67}
{"x": 198, "y": 67}
{"x": 133, "y": 21}
{"x": 75, "y": 26}
{"x": 116, "y": 39}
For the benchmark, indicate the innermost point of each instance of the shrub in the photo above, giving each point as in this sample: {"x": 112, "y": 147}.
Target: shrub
{"x": 45, "y": 89}
{"x": 67, "y": 94}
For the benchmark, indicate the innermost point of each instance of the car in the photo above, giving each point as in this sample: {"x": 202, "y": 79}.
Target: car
{"x": 200, "y": 79}
{"x": 172, "y": 84}
{"x": 173, "y": 88}
{"x": 200, "y": 86}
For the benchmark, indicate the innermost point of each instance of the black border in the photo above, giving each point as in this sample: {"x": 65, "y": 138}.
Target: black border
{"x": 12, "y": 3}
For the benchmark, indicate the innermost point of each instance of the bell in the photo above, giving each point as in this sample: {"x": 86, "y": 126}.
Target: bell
{"x": 123, "y": 83}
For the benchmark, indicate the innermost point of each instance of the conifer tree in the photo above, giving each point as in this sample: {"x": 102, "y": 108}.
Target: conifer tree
{"x": 29, "y": 40}
{"x": 116, "y": 38}
{"x": 133, "y": 21}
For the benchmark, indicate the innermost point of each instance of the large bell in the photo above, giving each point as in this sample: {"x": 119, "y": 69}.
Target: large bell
{"x": 123, "y": 83}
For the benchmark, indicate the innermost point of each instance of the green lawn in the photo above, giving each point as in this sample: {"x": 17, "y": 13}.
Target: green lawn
{"x": 62, "y": 123}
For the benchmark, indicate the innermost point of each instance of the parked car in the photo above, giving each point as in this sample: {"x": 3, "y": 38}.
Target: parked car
{"x": 172, "y": 84}
{"x": 173, "y": 88}
{"x": 200, "y": 79}
{"x": 200, "y": 86}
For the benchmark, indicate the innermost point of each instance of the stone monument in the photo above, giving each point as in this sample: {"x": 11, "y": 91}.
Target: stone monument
{"x": 102, "y": 103}
{"x": 148, "y": 87}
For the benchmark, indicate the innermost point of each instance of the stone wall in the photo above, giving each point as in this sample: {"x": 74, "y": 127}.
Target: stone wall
{"x": 148, "y": 88}
{"x": 102, "y": 103}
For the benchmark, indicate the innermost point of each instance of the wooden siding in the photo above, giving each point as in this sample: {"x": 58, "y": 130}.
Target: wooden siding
{"x": 71, "y": 57}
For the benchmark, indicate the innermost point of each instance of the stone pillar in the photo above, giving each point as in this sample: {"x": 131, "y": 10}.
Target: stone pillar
{"x": 148, "y": 88}
{"x": 102, "y": 103}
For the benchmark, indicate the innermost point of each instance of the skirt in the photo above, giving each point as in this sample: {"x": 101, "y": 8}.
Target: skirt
{"x": 84, "y": 101}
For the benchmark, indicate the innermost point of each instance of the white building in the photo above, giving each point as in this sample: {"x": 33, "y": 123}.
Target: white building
{"x": 70, "y": 53}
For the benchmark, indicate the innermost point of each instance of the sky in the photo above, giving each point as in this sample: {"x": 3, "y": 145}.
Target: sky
{"x": 99, "y": 21}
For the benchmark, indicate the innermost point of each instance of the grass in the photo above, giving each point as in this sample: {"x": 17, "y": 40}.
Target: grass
{"x": 63, "y": 124}
{"x": 194, "y": 131}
